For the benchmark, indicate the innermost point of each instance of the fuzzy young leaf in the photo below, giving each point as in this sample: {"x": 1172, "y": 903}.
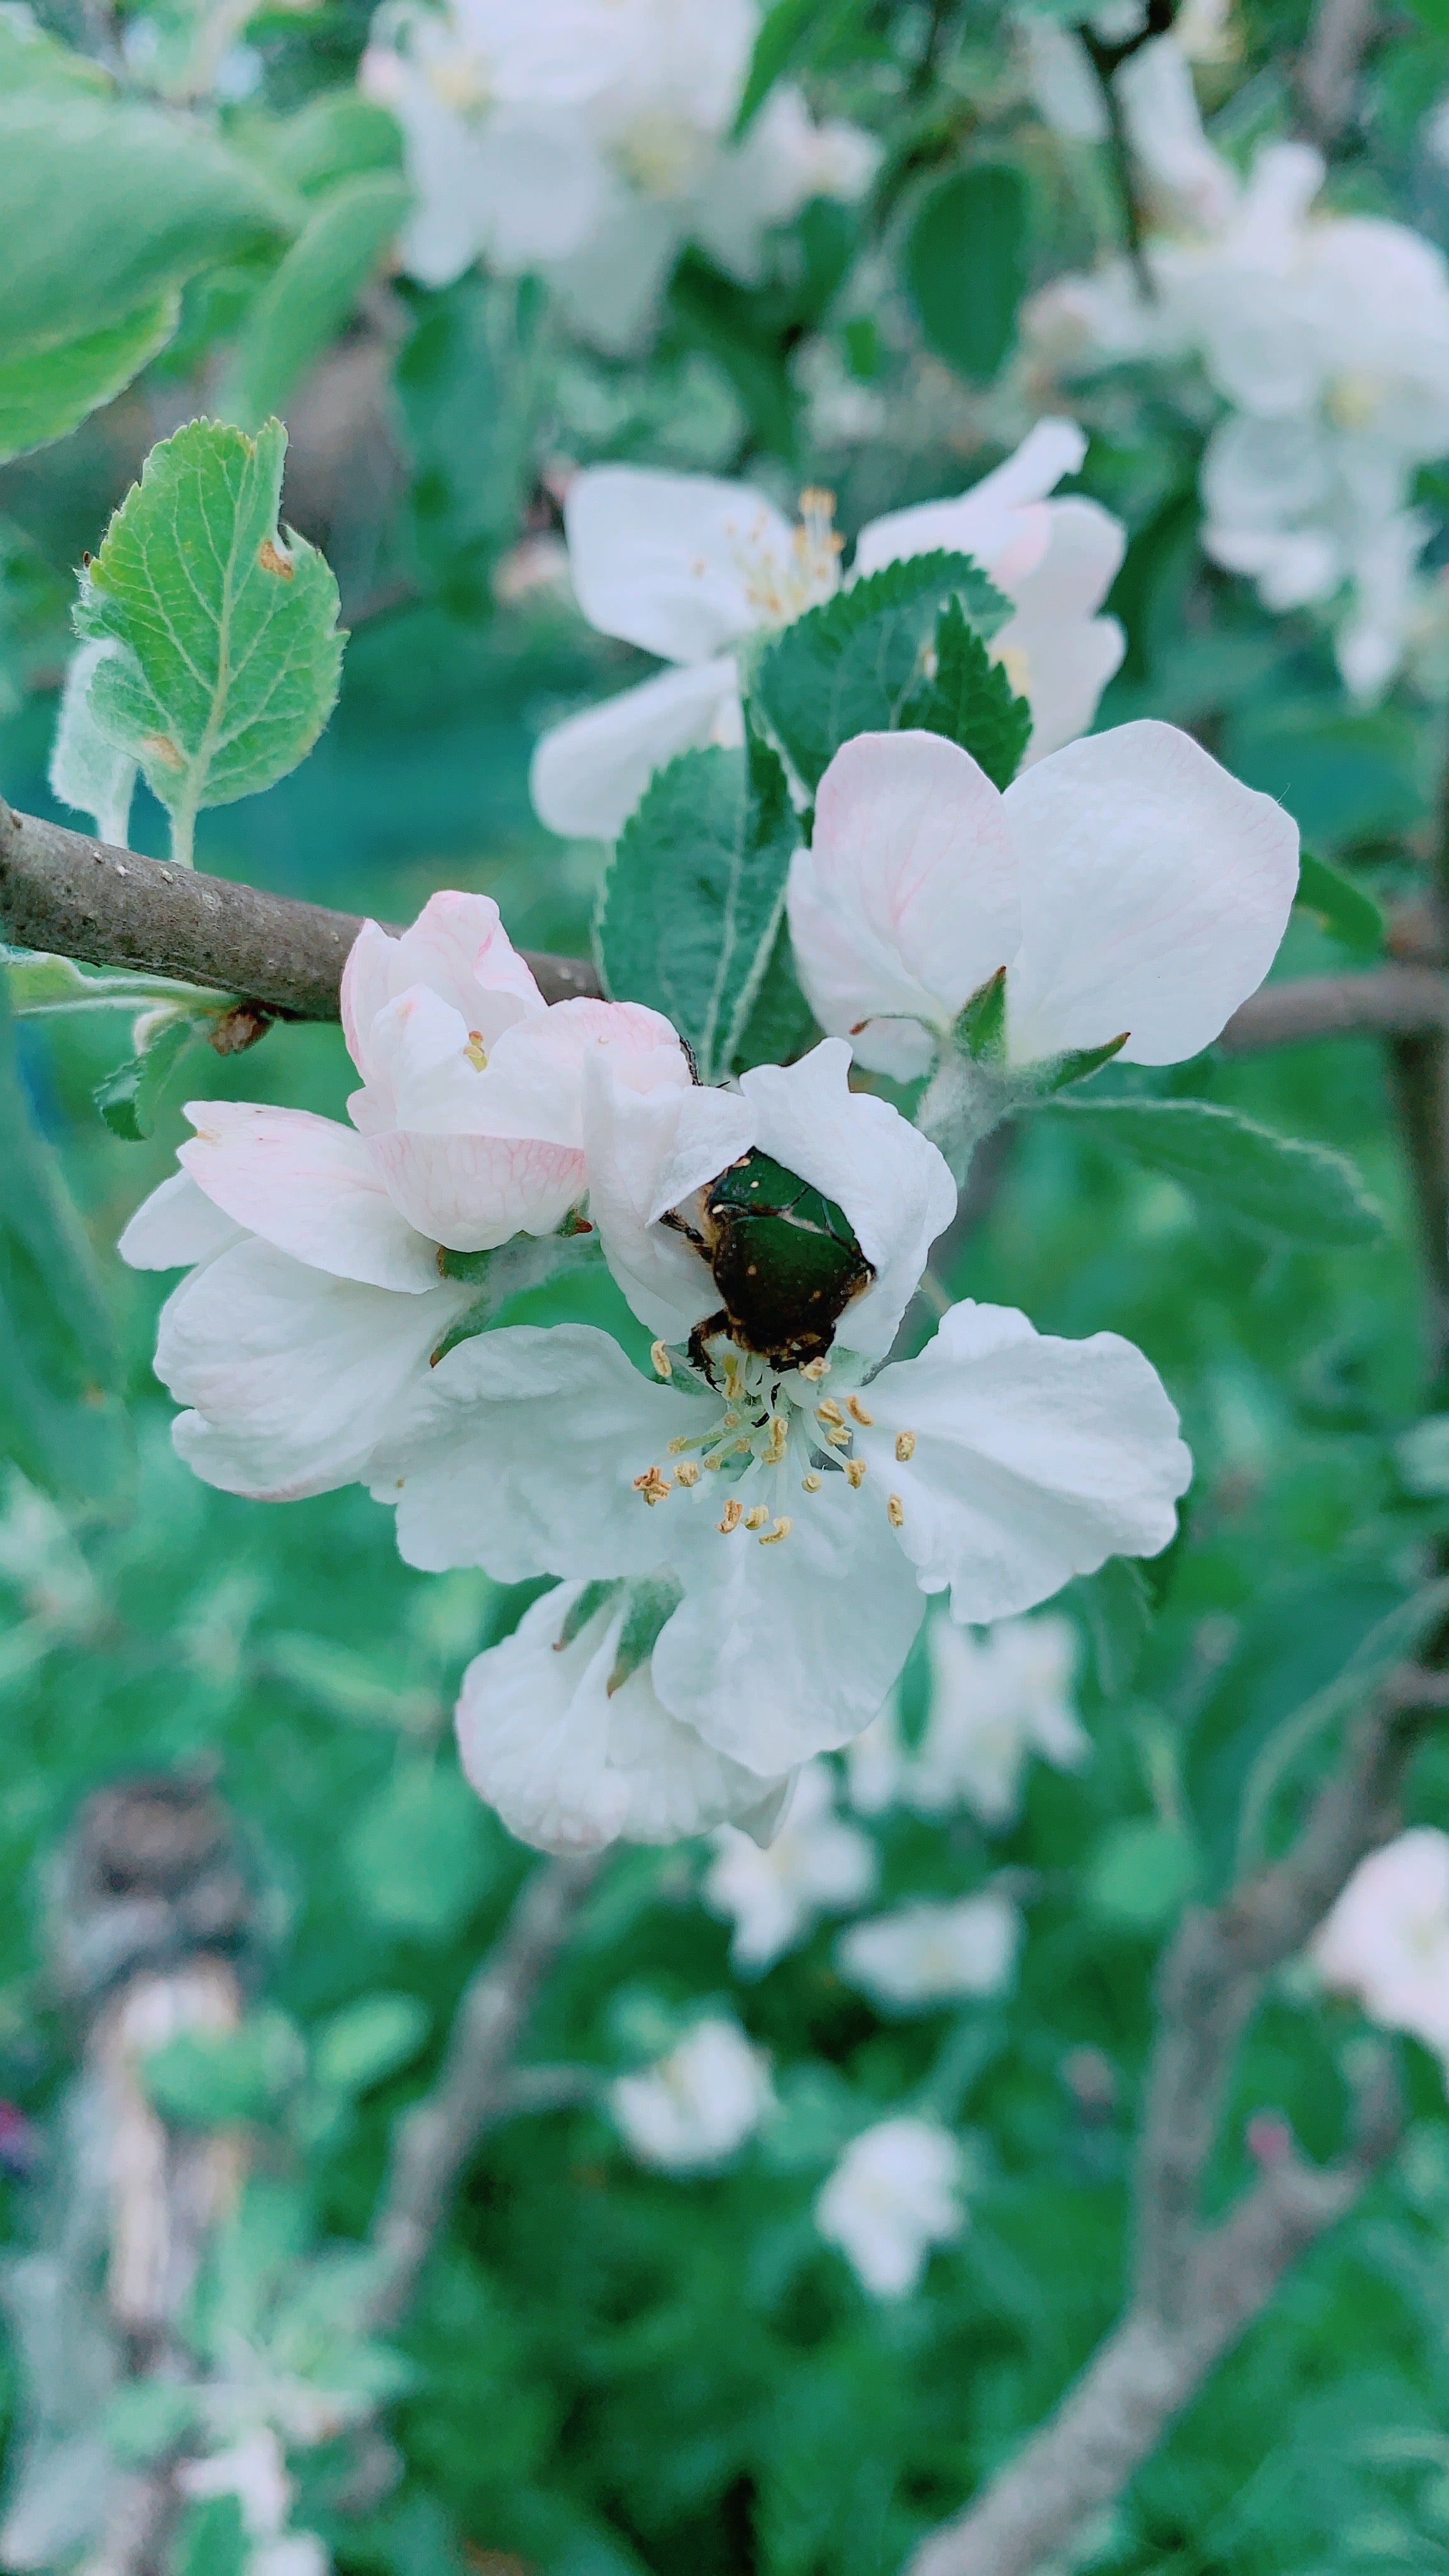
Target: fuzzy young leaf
{"x": 695, "y": 896}
{"x": 305, "y": 302}
{"x": 128, "y": 1098}
{"x": 970, "y": 699}
{"x": 231, "y": 655}
{"x": 855, "y": 664}
{"x": 86, "y": 770}
{"x": 1273, "y": 1184}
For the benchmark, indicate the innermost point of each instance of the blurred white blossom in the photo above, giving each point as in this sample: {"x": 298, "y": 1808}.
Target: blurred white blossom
{"x": 697, "y": 2105}
{"x": 254, "y": 2470}
{"x": 932, "y": 1953}
{"x": 1387, "y": 1938}
{"x": 895, "y": 2193}
{"x": 996, "y": 1698}
{"x": 816, "y": 1864}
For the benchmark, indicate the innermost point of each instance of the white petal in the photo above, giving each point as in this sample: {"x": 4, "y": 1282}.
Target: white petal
{"x": 1154, "y": 892}
{"x": 520, "y": 1455}
{"x": 674, "y": 562}
{"x": 1034, "y": 1459}
{"x": 907, "y": 899}
{"x": 612, "y": 285}
{"x": 1000, "y": 522}
{"x": 176, "y": 1226}
{"x": 646, "y": 1152}
{"x": 890, "y": 1181}
{"x": 1064, "y": 669}
{"x": 570, "y": 1768}
{"x": 534, "y": 1081}
{"x": 1085, "y": 546}
{"x": 473, "y": 1192}
{"x": 459, "y": 949}
{"x": 589, "y": 773}
{"x": 781, "y": 1651}
{"x": 307, "y": 1185}
{"x": 928, "y": 1954}
{"x": 294, "y": 1374}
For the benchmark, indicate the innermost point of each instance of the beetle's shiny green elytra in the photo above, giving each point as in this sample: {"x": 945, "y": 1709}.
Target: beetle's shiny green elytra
{"x": 784, "y": 1259}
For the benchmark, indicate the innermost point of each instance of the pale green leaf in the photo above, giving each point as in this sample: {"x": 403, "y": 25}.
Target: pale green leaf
{"x": 695, "y": 895}
{"x": 853, "y": 665}
{"x": 87, "y": 771}
{"x": 369, "y": 2040}
{"x": 306, "y": 301}
{"x": 232, "y": 656}
{"x": 44, "y": 393}
{"x": 129, "y": 1098}
{"x": 416, "y": 1853}
{"x": 1275, "y": 1184}
{"x": 1142, "y": 1873}
{"x": 1346, "y": 912}
{"x": 31, "y": 59}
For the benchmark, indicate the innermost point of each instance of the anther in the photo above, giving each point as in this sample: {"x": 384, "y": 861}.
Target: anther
{"x": 855, "y": 1470}
{"x": 681, "y": 1441}
{"x": 731, "y": 1422}
{"x": 829, "y": 1411}
{"x": 687, "y": 1473}
{"x": 812, "y": 1483}
{"x": 652, "y": 1485}
{"x": 756, "y": 1517}
{"x": 734, "y": 1513}
{"x": 475, "y": 1050}
{"x": 905, "y": 1445}
{"x": 853, "y": 1405}
{"x": 663, "y": 1364}
{"x": 895, "y": 1511}
{"x": 814, "y": 1369}
{"x": 782, "y": 1529}
{"x": 774, "y": 1449}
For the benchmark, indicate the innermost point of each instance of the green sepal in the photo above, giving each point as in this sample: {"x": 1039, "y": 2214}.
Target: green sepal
{"x": 129, "y": 1098}
{"x": 588, "y": 1605}
{"x": 979, "y": 1029}
{"x": 527, "y": 1261}
{"x": 462, "y": 1265}
{"x": 1060, "y": 1070}
{"x": 653, "y": 1600}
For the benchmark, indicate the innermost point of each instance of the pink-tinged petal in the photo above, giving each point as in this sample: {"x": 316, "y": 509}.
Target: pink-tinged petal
{"x": 294, "y": 1375}
{"x": 1027, "y": 1459}
{"x": 534, "y": 1082}
{"x": 676, "y": 562}
{"x": 907, "y": 899}
{"x": 459, "y": 949}
{"x": 177, "y": 1226}
{"x": 893, "y": 1185}
{"x": 1000, "y": 522}
{"x": 589, "y": 773}
{"x": 307, "y": 1185}
{"x": 472, "y": 1192}
{"x": 1154, "y": 892}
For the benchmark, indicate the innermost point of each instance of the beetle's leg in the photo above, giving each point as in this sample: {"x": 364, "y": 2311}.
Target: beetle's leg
{"x": 681, "y": 1225}
{"x": 700, "y": 1335}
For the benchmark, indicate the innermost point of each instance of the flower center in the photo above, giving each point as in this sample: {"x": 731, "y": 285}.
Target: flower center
{"x": 1355, "y": 401}
{"x": 780, "y": 591}
{"x": 461, "y": 84}
{"x": 767, "y": 1440}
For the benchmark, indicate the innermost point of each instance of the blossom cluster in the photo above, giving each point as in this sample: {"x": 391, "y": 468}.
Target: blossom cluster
{"x": 592, "y": 139}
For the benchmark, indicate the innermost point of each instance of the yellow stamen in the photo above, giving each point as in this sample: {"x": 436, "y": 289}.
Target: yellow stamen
{"x": 681, "y": 1442}
{"x": 905, "y": 1445}
{"x": 853, "y": 1405}
{"x": 731, "y": 1422}
{"x": 774, "y": 1449}
{"x": 782, "y": 1529}
{"x": 734, "y": 1513}
{"x": 688, "y": 1473}
{"x": 895, "y": 1511}
{"x": 837, "y": 1439}
{"x": 757, "y": 1517}
{"x": 812, "y": 1483}
{"x": 829, "y": 1411}
{"x": 855, "y": 1470}
{"x": 814, "y": 1369}
{"x": 663, "y": 1364}
{"x": 652, "y": 1485}
{"x": 475, "y": 1051}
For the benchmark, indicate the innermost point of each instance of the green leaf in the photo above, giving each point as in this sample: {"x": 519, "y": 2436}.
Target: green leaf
{"x": 205, "y": 2078}
{"x": 232, "y": 656}
{"x": 369, "y": 2040}
{"x": 853, "y": 665}
{"x": 966, "y": 265}
{"x": 306, "y": 301}
{"x": 970, "y": 699}
{"x": 47, "y": 392}
{"x": 86, "y": 770}
{"x": 715, "y": 313}
{"x": 783, "y": 35}
{"x": 129, "y": 1097}
{"x": 1271, "y": 1183}
{"x": 1142, "y": 1874}
{"x": 105, "y": 212}
{"x": 1351, "y": 916}
{"x": 416, "y": 1853}
{"x": 211, "y": 2539}
{"x": 695, "y": 895}
{"x": 781, "y": 1024}
{"x": 469, "y": 381}
{"x": 59, "y": 1362}
{"x": 338, "y": 136}
{"x": 31, "y": 59}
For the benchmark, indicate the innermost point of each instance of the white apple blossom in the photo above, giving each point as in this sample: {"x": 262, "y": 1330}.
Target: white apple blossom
{"x": 816, "y": 1864}
{"x": 1126, "y": 884}
{"x": 592, "y": 139}
{"x": 254, "y": 2470}
{"x": 691, "y": 568}
{"x": 995, "y": 1700}
{"x": 895, "y": 2193}
{"x": 316, "y": 1292}
{"x": 1328, "y": 337}
{"x": 698, "y": 2105}
{"x": 927, "y": 1953}
{"x": 804, "y": 1511}
{"x": 1387, "y": 1938}
{"x": 575, "y": 1753}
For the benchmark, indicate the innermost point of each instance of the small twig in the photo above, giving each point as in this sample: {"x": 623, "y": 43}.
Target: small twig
{"x": 478, "y": 2084}
{"x": 1197, "y": 2288}
{"x": 1327, "y": 72}
{"x": 1386, "y": 1001}
{"x": 1106, "y": 60}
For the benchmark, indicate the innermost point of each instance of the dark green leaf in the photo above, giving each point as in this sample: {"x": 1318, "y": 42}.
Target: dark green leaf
{"x": 468, "y": 384}
{"x": 1274, "y": 1184}
{"x": 853, "y": 665}
{"x": 695, "y": 895}
{"x": 212, "y": 2539}
{"x": 781, "y": 1025}
{"x": 970, "y": 699}
{"x": 980, "y": 1028}
{"x": 966, "y": 265}
{"x": 711, "y": 312}
{"x": 1352, "y": 917}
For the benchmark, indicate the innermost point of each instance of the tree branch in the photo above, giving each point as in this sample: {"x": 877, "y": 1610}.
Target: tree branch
{"x": 1327, "y": 71}
{"x": 1386, "y": 1001}
{"x": 1198, "y": 2288}
{"x": 478, "y": 2084}
{"x": 65, "y": 892}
